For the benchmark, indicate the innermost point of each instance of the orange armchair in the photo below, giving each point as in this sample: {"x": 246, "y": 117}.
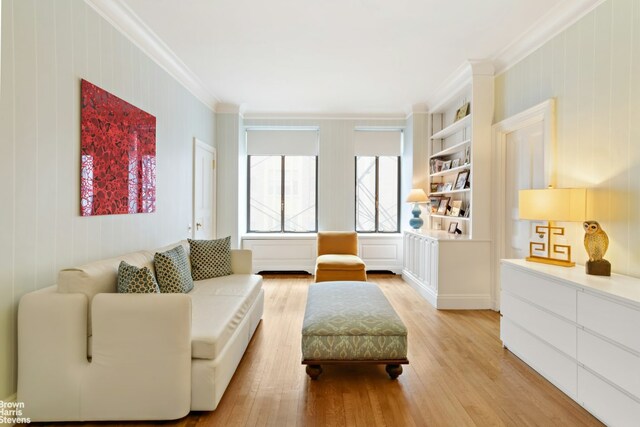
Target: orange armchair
{"x": 338, "y": 257}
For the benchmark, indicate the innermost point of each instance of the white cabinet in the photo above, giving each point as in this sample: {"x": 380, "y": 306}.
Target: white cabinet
{"x": 578, "y": 331}
{"x": 450, "y": 271}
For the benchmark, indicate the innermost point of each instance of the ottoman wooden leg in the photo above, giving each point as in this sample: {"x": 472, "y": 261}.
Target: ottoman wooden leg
{"x": 314, "y": 371}
{"x": 393, "y": 370}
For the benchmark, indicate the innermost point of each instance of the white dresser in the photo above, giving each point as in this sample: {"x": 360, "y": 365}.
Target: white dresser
{"x": 580, "y": 332}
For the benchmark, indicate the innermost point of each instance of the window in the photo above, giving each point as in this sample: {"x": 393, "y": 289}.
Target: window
{"x": 378, "y": 180}
{"x": 282, "y": 181}
{"x": 378, "y": 194}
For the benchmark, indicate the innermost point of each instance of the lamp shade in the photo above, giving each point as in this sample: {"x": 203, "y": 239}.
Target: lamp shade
{"x": 553, "y": 204}
{"x": 417, "y": 195}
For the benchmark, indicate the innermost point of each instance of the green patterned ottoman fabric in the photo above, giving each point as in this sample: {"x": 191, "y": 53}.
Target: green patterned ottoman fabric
{"x": 136, "y": 280}
{"x": 351, "y": 321}
{"x": 172, "y": 270}
{"x": 210, "y": 258}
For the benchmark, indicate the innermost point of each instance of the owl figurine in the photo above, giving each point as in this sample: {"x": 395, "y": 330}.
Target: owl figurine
{"x": 596, "y": 240}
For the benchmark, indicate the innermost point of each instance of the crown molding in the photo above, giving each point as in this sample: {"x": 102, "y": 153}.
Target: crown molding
{"x": 324, "y": 116}
{"x": 544, "y": 29}
{"x": 225, "y": 108}
{"x": 118, "y": 14}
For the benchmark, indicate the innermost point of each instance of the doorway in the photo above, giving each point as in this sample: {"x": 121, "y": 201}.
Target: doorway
{"x": 204, "y": 190}
{"x": 524, "y": 147}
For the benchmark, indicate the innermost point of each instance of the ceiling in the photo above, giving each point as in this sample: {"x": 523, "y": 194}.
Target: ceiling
{"x": 334, "y": 56}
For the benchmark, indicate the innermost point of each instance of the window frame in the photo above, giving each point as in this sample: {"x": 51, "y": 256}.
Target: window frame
{"x": 282, "y": 196}
{"x": 377, "y": 197}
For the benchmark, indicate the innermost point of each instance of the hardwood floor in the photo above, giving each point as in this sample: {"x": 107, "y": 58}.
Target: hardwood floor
{"x": 459, "y": 374}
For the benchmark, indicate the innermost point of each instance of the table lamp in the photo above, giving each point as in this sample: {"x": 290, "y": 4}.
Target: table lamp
{"x": 552, "y": 204}
{"x": 416, "y": 196}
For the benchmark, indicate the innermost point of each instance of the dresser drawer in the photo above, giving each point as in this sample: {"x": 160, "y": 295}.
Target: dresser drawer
{"x": 551, "y": 295}
{"x": 558, "y": 332}
{"x": 615, "y": 321}
{"x": 616, "y": 364}
{"x": 556, "y": 367}
{"x": 605, "y": 402}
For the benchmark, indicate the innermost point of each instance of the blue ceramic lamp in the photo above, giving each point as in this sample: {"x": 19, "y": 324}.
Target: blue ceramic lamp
{"x": 416, "y": 196}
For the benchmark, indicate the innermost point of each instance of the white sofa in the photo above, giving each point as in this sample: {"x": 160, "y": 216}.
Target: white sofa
{"x": 86, "y": 352}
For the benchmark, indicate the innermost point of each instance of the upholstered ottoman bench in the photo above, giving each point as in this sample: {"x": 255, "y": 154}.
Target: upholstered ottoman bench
{"x": 351, "y": 322}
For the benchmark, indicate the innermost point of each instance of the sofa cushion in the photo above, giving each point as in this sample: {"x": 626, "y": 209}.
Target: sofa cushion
{"x": 339, "y": 262}
{"x": 99, "y": 276}
{"x": 172, "y": 271}
{"x": 135, "y": 280}
{"x": 218, "y": 306}
{"x": 210, "y": 258}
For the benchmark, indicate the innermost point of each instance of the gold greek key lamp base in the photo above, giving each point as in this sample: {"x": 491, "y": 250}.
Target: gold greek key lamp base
{"x": 558, "y": 249}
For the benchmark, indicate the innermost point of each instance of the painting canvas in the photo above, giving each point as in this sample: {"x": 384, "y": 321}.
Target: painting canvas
{"x": 118, "y": 149}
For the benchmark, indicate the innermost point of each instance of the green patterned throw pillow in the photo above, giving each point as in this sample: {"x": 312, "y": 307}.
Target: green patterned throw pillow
{"x": 172, "y": 269}
{"x": 136, "y": 280}
{"x": 210, "y": 258}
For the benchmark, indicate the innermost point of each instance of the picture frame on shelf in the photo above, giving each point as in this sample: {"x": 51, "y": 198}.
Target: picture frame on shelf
{"x": 440, "y": 187}
{"x": 463, "y": 111}
{"x": 442, "y": 207}
{"x": 437, "y": 166}
{"x": 453, "y": 228}
{"x": 461, "y": 180}
{"x": 467, "y": 211}
{"x": 446, "y": 165}
{"x": 434, "y": 187}
{"x": 455, "y": 163}
{"x": 448, "y": 186}
{"x": 456, "y": 208}
{"x": 467, "y": 155}
{"x": 434, "y": 203}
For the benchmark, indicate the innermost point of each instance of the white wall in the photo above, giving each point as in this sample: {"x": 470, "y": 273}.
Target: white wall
{"x": 47, "y": 47}
{"x": 593, "y": 71}
{"x": 336, "y": 165}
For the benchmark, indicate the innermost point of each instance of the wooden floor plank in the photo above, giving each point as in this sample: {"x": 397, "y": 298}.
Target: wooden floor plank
{"x": 459, "y": 374}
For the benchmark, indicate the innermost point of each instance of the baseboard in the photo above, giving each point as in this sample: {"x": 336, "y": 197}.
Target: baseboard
{"x": 465, "y": 302}
{"x": 424, "y": 291}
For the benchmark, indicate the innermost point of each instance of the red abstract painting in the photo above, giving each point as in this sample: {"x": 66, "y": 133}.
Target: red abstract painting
{"x": 118, "y": 147}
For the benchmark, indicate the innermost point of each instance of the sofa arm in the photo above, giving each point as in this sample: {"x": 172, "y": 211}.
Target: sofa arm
{"x": 141, "y": 365}
{"x": 241, "y": 261}
{"x": 52, "y": 353}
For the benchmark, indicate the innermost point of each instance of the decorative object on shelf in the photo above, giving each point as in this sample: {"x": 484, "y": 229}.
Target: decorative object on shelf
{"x": 416, "y": 196}
{"x": 596, "y": 242}
{"x": 467, "y": 155}
{"x": 456, "y": 208}
{"x": 461, "y": 180}
{"x": 434, "y": 202}
{"x": 467, "y": 212}
{"x": 455, "y": 163}
{"x": 434, "y": 187}
{"x": 448, "y": 186}
{"x": 552, "y": 204}
{"x": 446, "y": 165}
{"x": 463, "y": 111}
{"x": 440, "y": 187}
{"x": 118, "y": 155}
{"x": 443, "y": 206}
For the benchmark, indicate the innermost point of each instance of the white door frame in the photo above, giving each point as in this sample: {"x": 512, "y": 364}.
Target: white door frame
{"x": 200, "y": 144}
{"x": 544, "y": 112}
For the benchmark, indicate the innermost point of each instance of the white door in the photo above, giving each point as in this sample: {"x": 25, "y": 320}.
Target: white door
{"x": 204, "y": 190}
{"x": 524, "y": 169}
